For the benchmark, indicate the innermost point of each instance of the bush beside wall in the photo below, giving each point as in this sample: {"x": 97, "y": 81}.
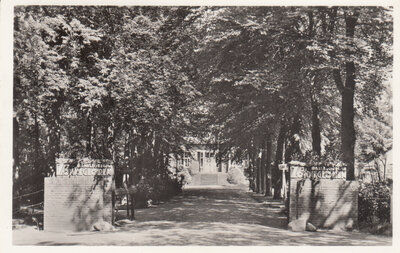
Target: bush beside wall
{"x": 236, "y": 176}
{"x": 374, "y": 207}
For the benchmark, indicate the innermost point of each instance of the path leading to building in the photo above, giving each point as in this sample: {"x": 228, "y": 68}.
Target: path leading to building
{"x": 204, "y": 216}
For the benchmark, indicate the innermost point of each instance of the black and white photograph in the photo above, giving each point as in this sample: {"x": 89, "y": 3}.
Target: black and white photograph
{"x": 199, "y": 125}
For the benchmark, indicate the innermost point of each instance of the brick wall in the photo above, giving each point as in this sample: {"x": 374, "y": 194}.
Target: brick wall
{"x": 75, "y": 203}
{"x": 326, "y": 203}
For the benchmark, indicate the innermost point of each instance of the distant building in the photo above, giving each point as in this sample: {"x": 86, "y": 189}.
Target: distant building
{"x": 202, "y": 159}
{"x": 203, "y": 165}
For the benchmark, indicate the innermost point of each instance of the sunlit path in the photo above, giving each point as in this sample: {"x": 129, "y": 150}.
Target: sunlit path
{"x": 204, "y": 216}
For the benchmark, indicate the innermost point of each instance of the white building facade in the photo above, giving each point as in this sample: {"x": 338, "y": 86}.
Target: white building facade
{"x": 201, "y": 160}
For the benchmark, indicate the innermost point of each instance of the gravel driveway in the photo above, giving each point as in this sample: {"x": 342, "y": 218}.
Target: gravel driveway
{"x": 213, "y": 215}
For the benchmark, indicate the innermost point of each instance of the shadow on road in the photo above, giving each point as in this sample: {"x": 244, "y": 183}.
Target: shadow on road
{"x": 215, "y": 205}
{"x": 228, "y": 216}
{"x": 206, "y": 216}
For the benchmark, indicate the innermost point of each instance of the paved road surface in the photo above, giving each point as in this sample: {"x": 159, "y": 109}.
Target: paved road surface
{"x": 204, "y": 216}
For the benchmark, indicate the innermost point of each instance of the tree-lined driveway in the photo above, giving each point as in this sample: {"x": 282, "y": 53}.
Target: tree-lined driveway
{"x": 204, "y": 216}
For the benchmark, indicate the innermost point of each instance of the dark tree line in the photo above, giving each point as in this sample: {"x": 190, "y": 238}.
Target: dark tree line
{"x": 294, "y": 83}
{"x": 130, "y": 83}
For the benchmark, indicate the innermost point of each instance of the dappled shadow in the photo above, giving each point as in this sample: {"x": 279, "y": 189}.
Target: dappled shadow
{"x": 326, "y": 203}
{"x": 218, "y": 217}
{"x": 215, "y": 233}
{"x": 163, "y": 233}
{"x": 89, "y": 203}
{"x": 228, "y": 217}
{"x": 215, "y": 205}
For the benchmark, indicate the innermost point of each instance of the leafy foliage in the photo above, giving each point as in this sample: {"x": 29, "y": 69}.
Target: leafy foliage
{"x": 99, "y": 82}
{"x": 131, "y": 84}
{"x": 235, "y": 176}
{"x": 374, "y": 203}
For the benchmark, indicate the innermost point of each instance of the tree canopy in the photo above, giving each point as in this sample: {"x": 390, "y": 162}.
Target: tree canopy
{"x": 272, "y": 84}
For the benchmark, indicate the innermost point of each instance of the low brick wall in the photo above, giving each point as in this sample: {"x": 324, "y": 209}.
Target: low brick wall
{"x": 323, "y": 202}
{"x": 76, "y": 202}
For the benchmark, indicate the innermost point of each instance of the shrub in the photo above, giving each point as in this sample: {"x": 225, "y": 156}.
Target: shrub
{"x": 248, "y": 172}
{"x": 184, "y": 176}
{"x": 374, "y": 205}
{"x": 144, "y": 192}
{"x": 157, "y": 189}
{"x": 236, "y": 176}
{"x": 164, "y": 188}
{"x": 192, "y": 171}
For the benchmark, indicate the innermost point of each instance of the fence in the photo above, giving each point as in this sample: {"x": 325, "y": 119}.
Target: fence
{"x": 23, "y": 202}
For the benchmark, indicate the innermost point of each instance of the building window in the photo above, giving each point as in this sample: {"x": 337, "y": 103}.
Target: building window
{"x": 200, "y": 158}
{"x": 185, "y": 161}
{"x": 208, "y": 157}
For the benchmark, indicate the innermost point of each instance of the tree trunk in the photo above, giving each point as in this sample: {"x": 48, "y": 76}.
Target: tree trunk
{"x": 378, "y": 171}
{"x": 253, "y": 170}
{"x": 258, "y": 175}
{"x": 111, "y": 141}
{"x": 253, "y": 173}
{"x": 384, "y": 168}
{"x": 293, "y": 148}
{"x": 132, "y": 216}
{"x": 134, "y": 163}
{"x": 89, "y": 136}
{"x": 276, "y": 175}
{"x": 348, "y": 137}
{"x": 316, "y": 130}
{"x": 268, "y": 184}
{"x": 131, "y": 205}
{"x": 37, "y": 145}
{"x": 347, "y": 126}
{"x": 15, "y": 148}
{"x": 16, "y": 201}
{"x": 262, "y": 167}
{"x": 55, "y": 135}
